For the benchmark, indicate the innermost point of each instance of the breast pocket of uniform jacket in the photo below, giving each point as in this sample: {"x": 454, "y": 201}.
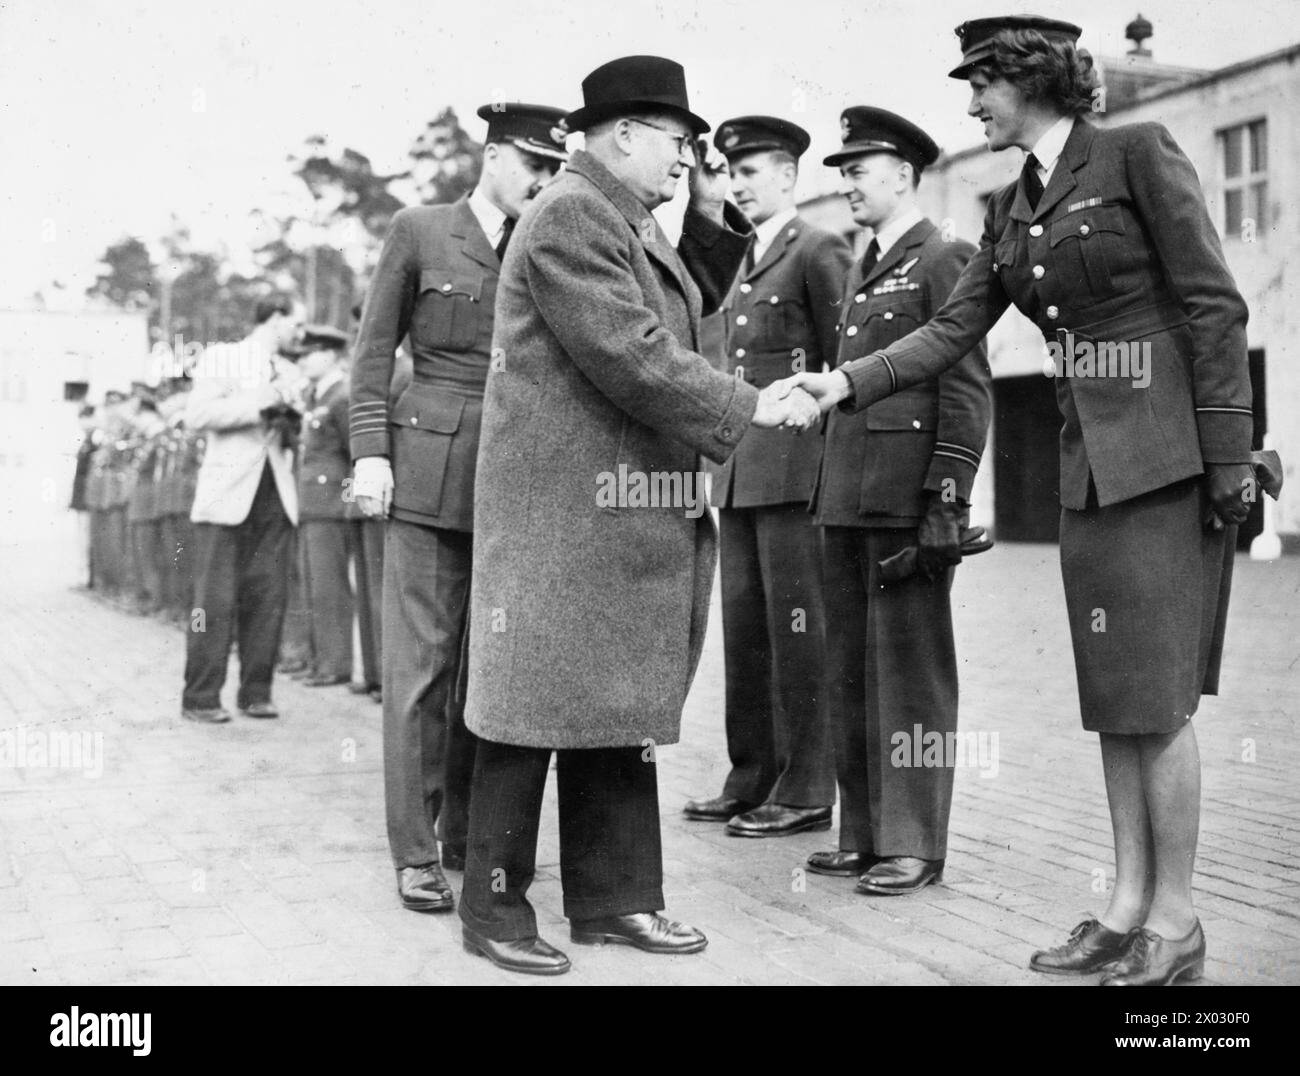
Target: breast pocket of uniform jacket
{"x": 1086, "y": 247}
{"x": 891, "y": 317}
{"x": 448, "y": 309}
{"x": 424, "y": 423}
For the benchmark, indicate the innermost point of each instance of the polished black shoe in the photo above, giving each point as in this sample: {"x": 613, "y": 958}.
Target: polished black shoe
{"x": 842, "y": 864}
{"x": 214, "y": 716}
{"x": 777, "y": 820}
{"x": 424, "y": 889}
{"x": 325, "y": 680}
{"x": 453, "y": 859}
{"x": 1155, "y": 961}
{"x": 900, "y": 876}
{"x": 532, "y": 956}
{"x": 1090, "y": 948}
{"x": 259, "y": 709}
{"x": 648, "y": 931}
{"x": 718, "y": 809}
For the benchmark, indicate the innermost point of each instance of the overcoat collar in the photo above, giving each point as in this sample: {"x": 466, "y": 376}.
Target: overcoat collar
{"x": 1073, "y": 157}
{"x": 643, "y": 222}
{"x": 466, "y": 228}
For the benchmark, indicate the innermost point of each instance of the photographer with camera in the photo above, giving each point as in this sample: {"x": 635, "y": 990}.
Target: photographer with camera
{"x": 247, "y": 397}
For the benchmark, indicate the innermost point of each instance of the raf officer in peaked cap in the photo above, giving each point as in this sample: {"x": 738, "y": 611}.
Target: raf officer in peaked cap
{"x": 898, "y": 474}
{"x": 415, "y": 459}
{"x": 779, "y": 318}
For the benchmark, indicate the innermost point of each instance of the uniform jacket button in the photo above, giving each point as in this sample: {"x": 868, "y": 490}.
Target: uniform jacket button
{"x": 414, "y": 421}
{"x": 745, "y": 289}
{"x": 1084, "y": 229}
{"x": 446, "y": 287}
{"x": 740, "y": 352}
{"x": 774, "y": 300}
{"x": 859, "y": 298}
{"x": 1039, "y": 272}
{"x": 852, "y": 330}
{"x": 1036, "y": 230}
{"x": 889, "y": 315}
{"x": 916, "y": 423}
{"x": 742, "y": 320}
{"x": 1053, "y": 312}
{"x": 321, "y": 479}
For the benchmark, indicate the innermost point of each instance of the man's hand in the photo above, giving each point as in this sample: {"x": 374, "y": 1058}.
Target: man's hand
{"x": 938, "y": 539}
{"x": 372, "y": 485}
{"x": 789, "y": 409}
{"x": 709, "y": 181}
{"x": 1232, "y": 490}
{"x": 827, "y": 389}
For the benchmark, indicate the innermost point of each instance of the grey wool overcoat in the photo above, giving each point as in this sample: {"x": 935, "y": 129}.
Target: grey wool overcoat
{"x": 587, "y": 617}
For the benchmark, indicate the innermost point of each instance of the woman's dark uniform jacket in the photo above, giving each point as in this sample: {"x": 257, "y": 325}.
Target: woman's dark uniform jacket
{"x": 1120, "y": 248}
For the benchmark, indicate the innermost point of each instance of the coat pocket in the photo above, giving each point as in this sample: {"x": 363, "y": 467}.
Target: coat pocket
{"x": 1084, "y": 246}
{"x": 448, "y": 309}
{"x": 424, "y": 424}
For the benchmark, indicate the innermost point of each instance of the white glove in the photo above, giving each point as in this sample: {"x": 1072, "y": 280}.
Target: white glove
{"x": 372, "y": 485}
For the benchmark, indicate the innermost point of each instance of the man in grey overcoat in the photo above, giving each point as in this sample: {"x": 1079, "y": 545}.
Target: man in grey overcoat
{"x": 594, "y": 552}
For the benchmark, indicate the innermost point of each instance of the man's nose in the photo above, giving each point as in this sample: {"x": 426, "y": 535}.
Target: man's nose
{"x": 974, "y": 108}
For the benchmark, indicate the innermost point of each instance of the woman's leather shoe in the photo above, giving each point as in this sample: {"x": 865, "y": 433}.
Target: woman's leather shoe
{"x": 532, "y": 956}
{"x": 842, "y": 864}
{"x": 900, "y": 876}
{"x": 424, "y": 889}
{"x": 648, "y": 931}
{"x": 1090, "y": 948}
{"x": 1155, "y": 961}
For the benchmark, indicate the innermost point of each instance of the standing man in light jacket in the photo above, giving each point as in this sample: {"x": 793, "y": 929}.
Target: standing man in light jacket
{"x": 245, "y": 398}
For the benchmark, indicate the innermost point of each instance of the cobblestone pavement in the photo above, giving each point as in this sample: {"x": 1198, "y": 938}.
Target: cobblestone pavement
{"x": 255, "y": 852}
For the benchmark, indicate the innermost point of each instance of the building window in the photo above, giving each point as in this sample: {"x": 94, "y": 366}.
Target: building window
{"x": 1243, "y": 156}
{"x": 75, "y": 391}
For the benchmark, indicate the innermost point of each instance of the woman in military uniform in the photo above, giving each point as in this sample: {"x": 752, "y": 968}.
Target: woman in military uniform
{"x": 1105, "y": 243}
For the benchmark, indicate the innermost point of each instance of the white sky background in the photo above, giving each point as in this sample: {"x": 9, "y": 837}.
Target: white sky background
{"x": 99, "y": 136}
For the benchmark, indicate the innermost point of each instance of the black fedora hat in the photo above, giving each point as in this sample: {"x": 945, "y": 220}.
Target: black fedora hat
{"x": 631, "y": 84}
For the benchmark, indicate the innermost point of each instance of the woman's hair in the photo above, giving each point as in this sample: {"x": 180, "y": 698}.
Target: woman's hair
{"x": 1045, "y": 69}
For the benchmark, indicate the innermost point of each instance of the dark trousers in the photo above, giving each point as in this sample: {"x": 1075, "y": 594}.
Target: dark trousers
{"x": 178, "y": 561}
{"x": 146, "y": 541}
{"x": 611, "y": 861}
{"x": 369, "y": 542}
{"x": 428, "y": 752}
{"x": 240, "y": 588}
{"x": 773, "y": 632}
{"x": 328, "y": 546}
{"x": 891, "y": 667}
{"x": 295, "y": 639}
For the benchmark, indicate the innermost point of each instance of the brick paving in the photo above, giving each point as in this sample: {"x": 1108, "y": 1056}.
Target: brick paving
{"x": 255, "y": 852}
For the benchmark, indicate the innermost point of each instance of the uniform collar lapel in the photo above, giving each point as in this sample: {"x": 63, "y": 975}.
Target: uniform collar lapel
{"x": 896, "y": 254}
{"x": 776, "y": 249}
{"x": 1073, "y": 157}
{"x": 465, "y": 227}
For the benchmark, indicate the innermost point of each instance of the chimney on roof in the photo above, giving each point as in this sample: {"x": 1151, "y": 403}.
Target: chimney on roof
{"x": 1138, "y": 31}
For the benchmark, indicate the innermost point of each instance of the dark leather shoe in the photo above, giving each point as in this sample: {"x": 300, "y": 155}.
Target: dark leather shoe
{"x": 648, "y": 931}
{"x": 453, "y": 859}
{"x": 325, "y": 680}
{"x": 532, "y": 956}
{"x": 1090, "y": 948}
{"x": 842, "y": 864}
{"x": 718, "y": 809}
{"x": 289, "y": 668}
{"x": 900, "y": 876}
{"x": 424, "y": 889}
{"x": 214, "y": 716}
{"x": 1155, "y": 961}
{"x": 259, "y": 709}
{"x": 777, "y": 820}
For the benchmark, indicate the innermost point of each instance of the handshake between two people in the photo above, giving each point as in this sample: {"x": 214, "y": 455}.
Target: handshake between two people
{"x": 797, "y": 403}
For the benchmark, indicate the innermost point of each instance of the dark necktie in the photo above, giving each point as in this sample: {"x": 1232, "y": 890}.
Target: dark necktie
{"x": 1033, "y": 185}
{"x": 747, "y": 266}
{"x": 870, "y": 258}
{"x": 507, "y": 230}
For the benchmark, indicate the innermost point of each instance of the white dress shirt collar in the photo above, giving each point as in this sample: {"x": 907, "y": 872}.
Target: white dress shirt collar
{"x": 767, "y": 231}
{"x": 892, "y": 232}
{"x": 1049, "y": 147}
{"x": 491, "y": 219}
{"x": 331, "y": 378}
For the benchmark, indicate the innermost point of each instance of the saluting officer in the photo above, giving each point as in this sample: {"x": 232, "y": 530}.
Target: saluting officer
{"x": 778, "y": 319}
{"x": 325, "y": 534}
{"x": 436, "y": 280}
{"x": 898, "y": 474}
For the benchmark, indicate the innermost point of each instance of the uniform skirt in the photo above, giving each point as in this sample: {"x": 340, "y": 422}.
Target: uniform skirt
{"x": 1146, "y": 588}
